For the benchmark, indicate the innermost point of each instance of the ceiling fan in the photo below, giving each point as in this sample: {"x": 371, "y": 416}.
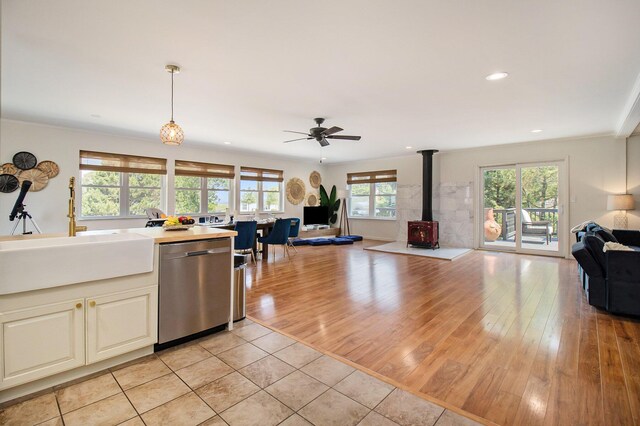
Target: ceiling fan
{"x": 321, "y": 134}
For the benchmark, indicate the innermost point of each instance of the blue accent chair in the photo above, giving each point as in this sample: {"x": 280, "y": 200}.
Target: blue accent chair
{"x": 246, "y": 237}
{"x": 279, "y": 236}
{"x": 293, "y": 232}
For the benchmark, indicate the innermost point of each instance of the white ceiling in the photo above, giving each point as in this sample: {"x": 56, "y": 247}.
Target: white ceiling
{"x": 402, "y": 73}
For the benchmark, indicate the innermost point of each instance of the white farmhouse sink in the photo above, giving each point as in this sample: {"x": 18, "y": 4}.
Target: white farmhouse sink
{"x": 51, "y": 262}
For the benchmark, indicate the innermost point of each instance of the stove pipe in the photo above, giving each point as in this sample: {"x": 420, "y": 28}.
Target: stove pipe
{"x": 427, "y": 183}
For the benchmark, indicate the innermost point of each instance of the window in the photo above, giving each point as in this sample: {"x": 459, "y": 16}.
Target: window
{"x": 372, "y": 194}
{"x": 118, "y": 185}
{"x": 260, "y": 190}
{"x": 203, "y": 187}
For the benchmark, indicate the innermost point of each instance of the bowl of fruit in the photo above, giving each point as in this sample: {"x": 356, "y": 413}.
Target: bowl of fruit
{"x": 178, "y": 223}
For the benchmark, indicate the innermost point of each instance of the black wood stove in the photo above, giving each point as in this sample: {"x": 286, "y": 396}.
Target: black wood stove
{"x": 425, "y": 232}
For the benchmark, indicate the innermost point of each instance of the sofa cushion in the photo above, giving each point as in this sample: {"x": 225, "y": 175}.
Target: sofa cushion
{"x": 300, "y": 242}
{"x": 586, "y": 260}
{"x": 595, "y": 245}
{"x": 605, "y": 234}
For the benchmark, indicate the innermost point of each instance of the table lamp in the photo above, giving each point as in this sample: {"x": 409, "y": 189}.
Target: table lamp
{"x": 621, "y": 203}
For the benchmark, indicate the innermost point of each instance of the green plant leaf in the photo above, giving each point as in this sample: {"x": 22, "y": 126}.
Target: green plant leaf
{"x": 324, "y": 199}
{"x": 333, "y": 218}
{"x": 337, "y": 205}
{"x": 332, "y": 197}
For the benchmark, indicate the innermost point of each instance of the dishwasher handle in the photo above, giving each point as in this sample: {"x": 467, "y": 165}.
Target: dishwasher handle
{"x": 197, "y": 253}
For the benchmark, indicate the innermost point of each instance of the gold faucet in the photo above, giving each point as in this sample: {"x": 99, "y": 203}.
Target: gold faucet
{"x": 73, "y": 228}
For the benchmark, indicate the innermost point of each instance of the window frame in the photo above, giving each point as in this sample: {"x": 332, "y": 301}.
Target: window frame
{"x": 124, "y": 165}
{"x": 125, "y": 208}
{"x": 204, "y": 171}
{"x": 204, "y": 195}
{"x": 372, "y": 178}
{"x": 271, "y": 176}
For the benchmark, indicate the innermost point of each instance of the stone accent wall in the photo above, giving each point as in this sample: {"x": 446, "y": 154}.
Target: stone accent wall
{"x": 408, "y": 207}
{"x": 456, "y": 214}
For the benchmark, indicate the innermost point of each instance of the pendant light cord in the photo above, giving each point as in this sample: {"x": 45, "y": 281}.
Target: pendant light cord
{"x": 171, "y": 95}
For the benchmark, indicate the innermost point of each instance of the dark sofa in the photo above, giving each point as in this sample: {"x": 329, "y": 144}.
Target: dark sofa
{"x": 611, "y": 280}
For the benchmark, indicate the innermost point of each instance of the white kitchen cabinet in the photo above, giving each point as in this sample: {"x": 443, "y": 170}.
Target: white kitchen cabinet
{"x": 121, "y": 322}
{"x": 41, "y": 341}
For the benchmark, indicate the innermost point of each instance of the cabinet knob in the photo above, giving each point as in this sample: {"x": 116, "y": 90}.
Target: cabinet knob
{"x": 92, "y": 303}
{"x": 78, "y": 305}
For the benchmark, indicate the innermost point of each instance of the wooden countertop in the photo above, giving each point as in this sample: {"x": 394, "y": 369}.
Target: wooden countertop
{"x": 162, "y": 236}
{"x": 158, "y": 234}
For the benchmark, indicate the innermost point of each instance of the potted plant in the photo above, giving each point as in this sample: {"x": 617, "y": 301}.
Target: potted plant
{"x": 331, "y": 202}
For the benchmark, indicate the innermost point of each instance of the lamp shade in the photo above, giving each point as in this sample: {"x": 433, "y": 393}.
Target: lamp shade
{"x": 171, "y": 134}
{"x": 620, "y": 202}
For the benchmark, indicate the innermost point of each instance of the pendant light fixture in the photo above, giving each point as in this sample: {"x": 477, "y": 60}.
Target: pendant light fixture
{"x": 171, "y": 133}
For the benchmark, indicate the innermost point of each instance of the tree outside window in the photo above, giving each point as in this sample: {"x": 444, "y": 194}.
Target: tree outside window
{"x": 188, "y": 194}
{"x": 202, "y": 195}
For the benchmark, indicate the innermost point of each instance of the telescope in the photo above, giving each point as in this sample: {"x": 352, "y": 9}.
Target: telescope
{"x": 18, "y": 207}
{"x": 19, "y": 211}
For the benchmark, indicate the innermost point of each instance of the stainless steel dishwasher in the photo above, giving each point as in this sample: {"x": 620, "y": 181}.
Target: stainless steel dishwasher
{"x": 195, "y": 287}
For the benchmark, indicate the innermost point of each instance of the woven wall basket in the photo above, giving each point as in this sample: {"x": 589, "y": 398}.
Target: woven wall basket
{"x": 315, "y": 179}
{"x": 295, "y": 191}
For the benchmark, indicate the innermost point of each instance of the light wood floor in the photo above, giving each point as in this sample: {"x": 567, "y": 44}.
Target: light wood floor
{"x": 507, "y": 337}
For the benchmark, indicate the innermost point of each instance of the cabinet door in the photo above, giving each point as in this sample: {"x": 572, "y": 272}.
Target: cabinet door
{"x": 121, "y": 322}
{"x": 41, "y": 341}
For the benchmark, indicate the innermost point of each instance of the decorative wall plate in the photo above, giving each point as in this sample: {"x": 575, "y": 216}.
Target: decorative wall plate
{"x": 37, "y": 177}
{"x": 25, "y": 160}
{"x": 295, "y": 191}
{"x": 315, "y": 179}
{"x": 49, "y": 168}
{"x": 9, "y": 169}
{"x": 8, "y": 183}
{"x": 312, "y": 200}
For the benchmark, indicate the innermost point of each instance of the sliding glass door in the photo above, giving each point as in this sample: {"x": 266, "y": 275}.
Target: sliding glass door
{"x": 499, "y": 207}
{"x": 521, "y": 208}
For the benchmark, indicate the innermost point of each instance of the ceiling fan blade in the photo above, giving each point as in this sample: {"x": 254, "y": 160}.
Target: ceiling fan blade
{"x": 292, "y": 131}
{"x": 349, "y": 138}
{"x": 332, "y": 130}
{"x": 323, "y": 142}
{"x": 293, "y": 140}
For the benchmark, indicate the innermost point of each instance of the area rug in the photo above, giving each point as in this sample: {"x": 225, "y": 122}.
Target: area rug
{"x": 397, "y": 247}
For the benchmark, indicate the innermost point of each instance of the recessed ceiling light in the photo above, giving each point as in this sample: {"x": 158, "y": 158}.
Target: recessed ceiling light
{"x": 227, "y": 143}
{"x": 497, "y": 76}
{"x": 536, "y": 130}
{"x": 408, "y": 147}
{"x": 323, "y": 158}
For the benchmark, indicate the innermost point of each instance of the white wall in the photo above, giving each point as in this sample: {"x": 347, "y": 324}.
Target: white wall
{"x": 62, "y": 145}
{"x": 596, "y": 168}
{"x": 409, "y": 169}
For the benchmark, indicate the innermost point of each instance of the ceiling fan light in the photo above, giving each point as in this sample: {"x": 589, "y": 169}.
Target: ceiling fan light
{"x": 171, "y": 134}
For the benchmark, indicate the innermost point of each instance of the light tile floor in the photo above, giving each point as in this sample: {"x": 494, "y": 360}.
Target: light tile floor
{"x": 250, "y": 376}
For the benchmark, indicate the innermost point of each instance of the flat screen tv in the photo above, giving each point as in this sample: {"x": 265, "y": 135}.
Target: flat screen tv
{"x": 318, "y": 215}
